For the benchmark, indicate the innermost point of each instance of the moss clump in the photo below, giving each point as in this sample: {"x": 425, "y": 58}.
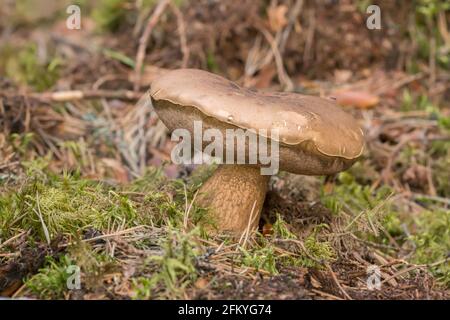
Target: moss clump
{"x": 109, "y": 14}
{"x": 49, "y": 205}
{"x": 269, "y": 253}
{"x": 281, "y": 229}
{"x": 66, "y": 205}
{"x": 317, "y": 252}
{"x": 166, "y": 275}
{"x": 23, "y": 66}
{"x": 432, "y": 240}
{"x": 362, "y": 208}
{"x": 51, "y": 281}
{"x": 57, "y": 277}
{"x": 263, "y": 257}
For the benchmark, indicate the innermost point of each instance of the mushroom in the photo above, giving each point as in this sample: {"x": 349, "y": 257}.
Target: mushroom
{"x": 315, "y": 137}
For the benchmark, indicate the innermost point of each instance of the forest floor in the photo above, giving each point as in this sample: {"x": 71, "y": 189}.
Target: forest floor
{"x": 86, "y": 181}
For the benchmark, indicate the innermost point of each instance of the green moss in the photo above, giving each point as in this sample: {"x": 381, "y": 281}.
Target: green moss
{"x": 168, "y": 274}
{"x": 366, "y": 211}
{"x": 49, "y": 204}
{"x": 441, "y": 173}
{"x": 426, "y": 27}
{"x": 318, "y": 252}
{"x": 281, "y": 229}
{"x": 23, "y": 66}
{"x": 51, "y": 281}
{"x": 65, "y": 206}
{"x": 268, "y": 253}
{"x": 349, "y": 193}
{"x": 54, "y": 280}
{"x": 109, "y": 14}
{"x": 261, "y": 258}
{"x": 211, "y": 62}
{"x": 432, "y": 240}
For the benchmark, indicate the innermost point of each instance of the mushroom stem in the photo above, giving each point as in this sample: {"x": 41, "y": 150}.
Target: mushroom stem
{"x": 235, "y": 196}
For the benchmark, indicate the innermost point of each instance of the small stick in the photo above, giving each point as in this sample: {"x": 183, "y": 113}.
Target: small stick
{"x": 326, "y": 295}
{"x": 418, "y": 196}
{"x": 297, "y": 8}
{"x": 246, "y": 232}
{"x": 188, "y": 208}
{"x": 12, "y": 239}
{"x": 152, "y": 21}
{"x": 76, "y": 95}
{"x": 333, "y": 275}
{"x": 39, "y": 213}
{"x": 282, "y": 74}
{"x": 7, "y": 165}
{"x": 182, "y": 33}
{"x": 407, "y": 270}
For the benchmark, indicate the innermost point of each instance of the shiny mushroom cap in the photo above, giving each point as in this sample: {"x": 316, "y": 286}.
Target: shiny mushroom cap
{"x": 316, "y": 136}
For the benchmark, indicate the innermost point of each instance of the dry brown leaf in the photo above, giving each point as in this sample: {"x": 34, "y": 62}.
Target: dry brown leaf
{"x": 358, "y": 99}
{"x": 265, "y": 76}
{"x": 201, "y": 283}
{"x": 267, "y": 229}
{"x": 277, "y": 17}
{"x": 119, "y": 172}
{"x": 342, "y": 75}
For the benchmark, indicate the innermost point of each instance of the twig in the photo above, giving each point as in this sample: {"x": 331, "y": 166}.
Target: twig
{"x": 182, "y": 33}
{"x": 432, "y": 62}
{"x": 188, "y": 208}
{"x": 282, "y": 75}
{"x": 335, "y": 279}
{"x": 418, "y": 196}
{"x": 39, "y": 213}
{"x": 152, "y": 21}
{"x": 7, "y": 165}
{"x": 297, "y": 8}
{"x": 326, "y": 295}
{"x": 12, "y": 239}
{"x": 397, "y": 85}
{"x": 115, "y": 234}
{"x": 409, "y": 269}
{"x": 309, "y": 38}
{"x": 75, "y": 95}
{"x": 9, "y": 255}
{"x": 247, "y": 230}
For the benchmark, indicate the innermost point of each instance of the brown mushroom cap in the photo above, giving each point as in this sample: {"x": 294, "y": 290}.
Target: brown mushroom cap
{"x": 316, "y": 136}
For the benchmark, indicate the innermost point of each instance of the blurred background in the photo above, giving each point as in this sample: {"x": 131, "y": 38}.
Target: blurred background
{"x": 74, "y": 113}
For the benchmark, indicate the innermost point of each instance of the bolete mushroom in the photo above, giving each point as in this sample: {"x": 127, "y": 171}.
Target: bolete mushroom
{"x": 315, "y": 137}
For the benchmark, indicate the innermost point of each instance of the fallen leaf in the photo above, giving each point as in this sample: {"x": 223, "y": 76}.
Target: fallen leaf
{"x": 119, "y": 172}
{"x": 267, "y": 229}
{"x": 277, "y": 17}
{"x": 265, "y": 76}
{"x": 201, "y": 283}
{"x": 315, "y": 283}
{"x": 358, "y": 99}
{"x": 342, "y": 76}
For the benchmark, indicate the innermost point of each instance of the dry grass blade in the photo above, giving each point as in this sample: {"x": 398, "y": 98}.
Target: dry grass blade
{"x": 152, "y": 21}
